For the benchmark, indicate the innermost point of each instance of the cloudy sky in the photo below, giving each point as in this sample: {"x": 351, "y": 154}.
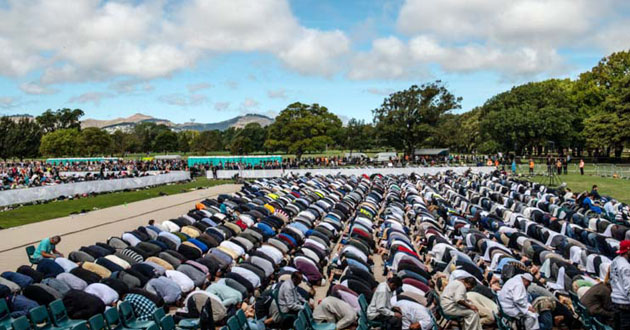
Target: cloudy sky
{"x": 210, "y": 60}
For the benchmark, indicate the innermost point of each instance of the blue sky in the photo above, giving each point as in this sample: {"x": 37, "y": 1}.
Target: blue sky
{"x": 211, "y": 60}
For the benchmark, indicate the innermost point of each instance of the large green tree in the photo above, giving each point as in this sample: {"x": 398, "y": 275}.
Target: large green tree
{"x": 407, "y": 118}
{"x": 302, "y": 128}
{"x": 604, "y": 92}
{"x": 532, "y": 116}
{"x": 62, "y": 142}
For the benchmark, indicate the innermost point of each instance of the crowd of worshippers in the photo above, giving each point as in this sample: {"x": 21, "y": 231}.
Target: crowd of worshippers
{"x": 469, "y": 250}
{"x": 39, "y": 173}
{"x": 263, "y": 254}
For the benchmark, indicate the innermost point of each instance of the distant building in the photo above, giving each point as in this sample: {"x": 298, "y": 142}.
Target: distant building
{"x": 124, "y": 127}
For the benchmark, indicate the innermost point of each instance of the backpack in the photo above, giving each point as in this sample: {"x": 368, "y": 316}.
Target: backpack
{"x": 262, "y": 304}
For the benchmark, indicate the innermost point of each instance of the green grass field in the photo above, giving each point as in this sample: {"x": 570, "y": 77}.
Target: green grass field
{"x": 616, "y": 188}
{"x": 40, "y": 212}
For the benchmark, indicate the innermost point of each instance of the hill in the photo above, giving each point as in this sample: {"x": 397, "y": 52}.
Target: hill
{"x": 129, "y": 122}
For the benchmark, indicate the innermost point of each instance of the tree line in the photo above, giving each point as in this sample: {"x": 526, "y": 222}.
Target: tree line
{"x": 589, "y": 114}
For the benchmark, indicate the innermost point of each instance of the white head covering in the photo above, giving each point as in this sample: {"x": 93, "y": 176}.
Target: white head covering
{"x": 528, "y": 277}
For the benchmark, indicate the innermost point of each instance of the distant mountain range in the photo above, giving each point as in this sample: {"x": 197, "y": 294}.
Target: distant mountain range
{"x": 128, "y": 123}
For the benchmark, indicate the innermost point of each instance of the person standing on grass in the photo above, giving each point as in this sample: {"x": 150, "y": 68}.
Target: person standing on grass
{"x": 514, "y": 165}
{"x": 581, "y": 166}
{"x": 531, "y": 166}
{"x": 565, "y": 164}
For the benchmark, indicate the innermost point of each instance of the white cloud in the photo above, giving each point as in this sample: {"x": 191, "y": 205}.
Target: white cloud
{"x": 7, "y": 102}
{"x": 99, "y": 40}
{"x": 517, "y": 39}
{"x": 127, "y": 86}
{"x": 540, "y": 21}
{"x": 90, "y": 97}
{"x": 389, "y": 58}
{"x": 379, "y": 91}
{"x": 277, "y": 94}
{"x": 250, "y": 103}
{"x": 198, "y": 87}
{"x": 183, "y": 100}
{"x": 315, "y": 52}
{"x": 221, "y": 106}
{"x": 231, "y": 84}
{"x": 35, "y": 88}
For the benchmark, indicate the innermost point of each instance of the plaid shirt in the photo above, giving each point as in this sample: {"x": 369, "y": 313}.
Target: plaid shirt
{"x": 142, "y": 306}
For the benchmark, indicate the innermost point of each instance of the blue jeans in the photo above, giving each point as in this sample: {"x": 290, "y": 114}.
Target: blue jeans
{"x": 545, "y": 320}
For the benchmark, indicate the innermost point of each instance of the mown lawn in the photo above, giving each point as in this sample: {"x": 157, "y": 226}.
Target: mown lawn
{"x": 616, "y": 188}
{"x": 40, "y": 212}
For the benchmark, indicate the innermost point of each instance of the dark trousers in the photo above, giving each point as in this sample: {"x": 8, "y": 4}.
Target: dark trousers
{"x": 622, "y": 317}
{"x": 389, "y": 322}
{"x": 581, "y": 170}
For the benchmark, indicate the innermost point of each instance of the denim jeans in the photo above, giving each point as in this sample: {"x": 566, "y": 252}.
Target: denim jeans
{"x": 545, "y": 320}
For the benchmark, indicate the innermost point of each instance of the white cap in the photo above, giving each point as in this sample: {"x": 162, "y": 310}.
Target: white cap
{"x": 528, "y": 277}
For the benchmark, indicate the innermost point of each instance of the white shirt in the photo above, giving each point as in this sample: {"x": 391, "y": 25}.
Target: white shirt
{"x": 131, "y": 239}
{"x": 271, "y": 252}
{"x": 107, "y": 294}
{"x": 513, "y": 297}
{"x": 250, "y": 276}
{"x": 66, "y": 264}
{"x": 609, "y": 207}
{"x": 234, "y": 247}
{"x": 414, "y": 313}
{"x": 620, "y": 281}
{"x": 184, "y": 282}
{"x": 353, "y": 250}
{"x": 170, "y": 226}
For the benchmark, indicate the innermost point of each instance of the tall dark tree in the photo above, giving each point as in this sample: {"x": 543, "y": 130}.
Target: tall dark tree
{"x": 95, "y": 141}
{"x": 254, "y": 135}
{"x": 207, "y": 141}
{"x": 60, "y": 119}
{"x": 147, "y": 132}
{"x": 358, "y": 135}
{"x": 27, "y": 136}
{"x": 7, "y": 141}
{"x": 165, "y": 141}
{"x": 407, "y": 118}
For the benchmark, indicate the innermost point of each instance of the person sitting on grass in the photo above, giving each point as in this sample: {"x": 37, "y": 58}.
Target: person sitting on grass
{"x": 47, "y": 248}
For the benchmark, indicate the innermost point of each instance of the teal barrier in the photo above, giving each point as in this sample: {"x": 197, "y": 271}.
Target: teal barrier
{"x": 246, "y": 160}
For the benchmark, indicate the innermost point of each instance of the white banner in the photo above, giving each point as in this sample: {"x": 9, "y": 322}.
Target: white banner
{"x": 28, "y": 195}
{"x": 252, "y": 174}
{"x": 84, "y": 173}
